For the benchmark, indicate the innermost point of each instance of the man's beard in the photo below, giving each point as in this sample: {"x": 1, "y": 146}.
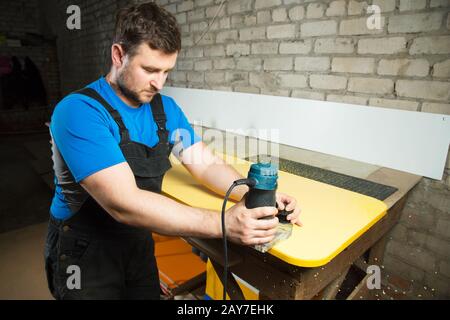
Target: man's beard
{"x": 126, "y": 91}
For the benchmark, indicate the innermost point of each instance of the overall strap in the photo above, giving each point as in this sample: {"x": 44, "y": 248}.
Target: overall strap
{"x": 160, "y": 117}
{"x": 113, "y": 112}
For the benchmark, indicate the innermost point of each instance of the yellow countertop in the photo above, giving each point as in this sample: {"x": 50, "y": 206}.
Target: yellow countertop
{"x": 332, "y": 217}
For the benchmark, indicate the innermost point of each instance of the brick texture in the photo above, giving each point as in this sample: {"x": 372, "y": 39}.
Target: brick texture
{"x": 17, "y": 20}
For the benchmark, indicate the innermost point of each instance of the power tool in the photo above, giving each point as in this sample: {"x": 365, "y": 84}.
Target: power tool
{"x": 262, "y": 181}
{"x": 263, "y": 194}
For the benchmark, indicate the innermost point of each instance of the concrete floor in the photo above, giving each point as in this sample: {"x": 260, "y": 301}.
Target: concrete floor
{"x": 22, "y": 274}
{"x": 24, "y": 208}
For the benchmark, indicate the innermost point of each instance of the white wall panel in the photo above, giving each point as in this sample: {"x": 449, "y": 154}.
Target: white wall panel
{"x": 409, "y": 141}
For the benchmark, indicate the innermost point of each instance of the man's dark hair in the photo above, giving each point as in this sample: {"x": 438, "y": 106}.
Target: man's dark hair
{"x": 147, "y": 23}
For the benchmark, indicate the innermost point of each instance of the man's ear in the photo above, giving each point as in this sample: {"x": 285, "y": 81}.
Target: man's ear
{"x": 117, "y": 55}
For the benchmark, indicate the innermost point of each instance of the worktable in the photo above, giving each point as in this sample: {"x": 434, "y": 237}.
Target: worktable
{"x": 341, "y": 228}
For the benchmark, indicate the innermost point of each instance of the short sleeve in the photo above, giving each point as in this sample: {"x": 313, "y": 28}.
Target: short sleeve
{"x": 83, "y": 136}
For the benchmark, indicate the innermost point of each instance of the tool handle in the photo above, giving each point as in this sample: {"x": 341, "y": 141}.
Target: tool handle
{"x": 282, "y": 215}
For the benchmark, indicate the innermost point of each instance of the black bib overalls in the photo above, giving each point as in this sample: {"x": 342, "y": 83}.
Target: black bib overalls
{"x": 115, "y": 261}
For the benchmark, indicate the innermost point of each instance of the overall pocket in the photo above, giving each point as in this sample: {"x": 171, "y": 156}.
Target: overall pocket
{"x": 72, "y": 250}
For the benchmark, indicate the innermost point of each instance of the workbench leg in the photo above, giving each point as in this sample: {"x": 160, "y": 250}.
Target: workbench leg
{"x": 330, "y": 291}
{"x": 233, "y": 289}
{"x": 376, "y": 253}
{"x": 190, "y": 285}
{"x": 360, "y": 291}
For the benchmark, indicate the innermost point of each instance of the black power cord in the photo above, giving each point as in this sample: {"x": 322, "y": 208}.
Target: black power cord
{"x": 251, "y": 183}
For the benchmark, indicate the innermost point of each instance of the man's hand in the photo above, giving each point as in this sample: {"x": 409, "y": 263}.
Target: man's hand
{"x": 244, "y": 226}
{"x": 285, "y": 201}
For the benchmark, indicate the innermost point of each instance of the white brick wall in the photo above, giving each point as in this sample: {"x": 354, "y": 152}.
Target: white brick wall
{"x": 265, "y": 48}
{"x": 423, "y": 22}
{"x": 394, "y": 104}
{"x": 347, "y": 99}
{"x": 238, "y": 49}
{"x": 212, "y": 11}
{"x": 195, "y": 77}
{"x": 385, "y": 5}
{"x": 439, "y": 3}
{"x": 194, "y": 53}
{"x": 214, "y": 51}
{"x": 312, "y": 64}
{"x": 308, "y": 94}
{"x": 441, "y": 108}
{"x": 279, "y": 15}
{"x": 335, "y": 45}
{"x": 371, "y": 85}
{"x": 201, "y": 3}
{"x": 224, "y": 36}
{"x": 258, "y": 33}
{"x": 239, "y": 6}
{"x": 264, "y": 80}
{"x": 315, "y": 10}
{"x": 319, "y": 81}
{"x": 263, "y": 17}
{"x": 184, "y": 65}
{"x": 358, "y": 26}
{"x": 356, "y": 7}
{"x": 236, "y": 78}
{"x": 293, "y": 80}
{"x": 319, "y": 28}
{"x": 278, "y": 64}
{"x": 280, "y": 32}
{"x": 203, "y": 65}
{"x": 262, "y": 4}
{"x": 431, "y": 45}
{"x": 404, "y": 67}
{"x": 336, "y": 8}
{"x": 392, "y": 45}
{"x": 442, "y": 69}
{"x": 178, "y": 76}
{"x": 353, "y": 65}
{"x": 195, "y": 15}
{"x": 215, "y": 77}
{"x": 296, "y": 13}
{"x": 296, "y": 47}
{"x": 17, "y": 19}
{"x": 224, "y": 64}
{"x": 185, "y": 6}
{"x": 250, "y": 64}
{"x": 410, "y": 5}
{"x": 432, "y": 90}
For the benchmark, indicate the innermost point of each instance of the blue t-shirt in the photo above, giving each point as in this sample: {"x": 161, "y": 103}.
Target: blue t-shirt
{"x": 88, "y": 138}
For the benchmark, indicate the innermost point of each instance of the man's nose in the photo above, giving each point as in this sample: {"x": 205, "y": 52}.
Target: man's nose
{"x": 158, "y": 80}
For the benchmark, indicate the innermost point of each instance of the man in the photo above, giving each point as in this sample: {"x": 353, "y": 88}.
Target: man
{"x": 111, "y": 143}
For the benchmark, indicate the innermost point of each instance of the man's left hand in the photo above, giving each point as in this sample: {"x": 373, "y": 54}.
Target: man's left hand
{"x": 288, "y": 202}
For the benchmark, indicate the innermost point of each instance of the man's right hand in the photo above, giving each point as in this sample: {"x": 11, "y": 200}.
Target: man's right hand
{"x": 244, "y": 226}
